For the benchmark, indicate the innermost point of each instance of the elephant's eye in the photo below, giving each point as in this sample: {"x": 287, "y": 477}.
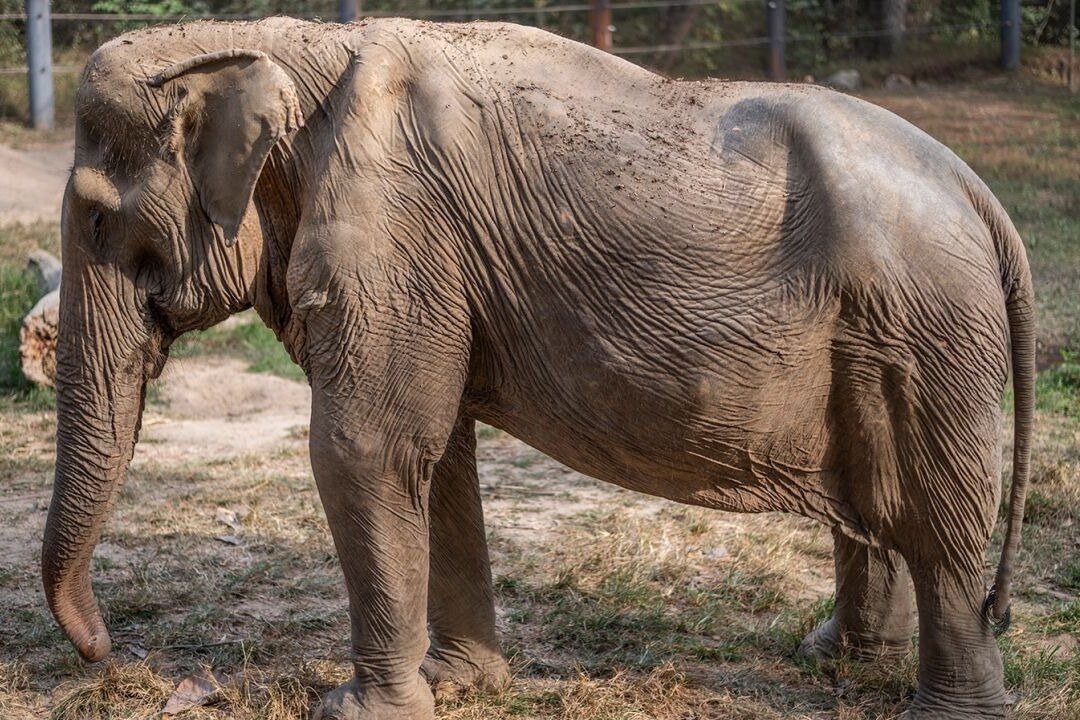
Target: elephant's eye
{"x": 96, "y": 219}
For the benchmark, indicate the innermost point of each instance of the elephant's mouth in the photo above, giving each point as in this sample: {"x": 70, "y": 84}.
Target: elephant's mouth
{"x": 155, "y": 360}
{"x": 162, "y": 335}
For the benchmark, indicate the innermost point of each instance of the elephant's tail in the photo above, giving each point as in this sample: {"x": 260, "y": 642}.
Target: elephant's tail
{"x": 1020, "y": 307}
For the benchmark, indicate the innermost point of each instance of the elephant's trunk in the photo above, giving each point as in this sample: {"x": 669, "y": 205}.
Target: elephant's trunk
{"x": 100, "y": 380}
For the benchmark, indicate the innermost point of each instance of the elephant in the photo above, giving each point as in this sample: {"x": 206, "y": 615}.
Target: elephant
{"x": 743, "y": 296}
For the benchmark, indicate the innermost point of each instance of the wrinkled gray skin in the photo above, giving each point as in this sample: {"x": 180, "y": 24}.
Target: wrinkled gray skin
{"x": 747, "y": 297}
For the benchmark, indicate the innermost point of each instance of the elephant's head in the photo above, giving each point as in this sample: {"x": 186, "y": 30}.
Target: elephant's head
{"x": 167, "y": 156}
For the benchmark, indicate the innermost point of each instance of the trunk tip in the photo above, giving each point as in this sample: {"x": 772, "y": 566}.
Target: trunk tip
{"x": 78, "y": 615}
{"x": 96, "y": 646}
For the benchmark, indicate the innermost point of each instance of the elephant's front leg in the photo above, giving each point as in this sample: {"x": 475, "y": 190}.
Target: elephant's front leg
{"x": 461, "y": 605}
{"x": 382, "y": 414}
{"x": 374, "y": 491}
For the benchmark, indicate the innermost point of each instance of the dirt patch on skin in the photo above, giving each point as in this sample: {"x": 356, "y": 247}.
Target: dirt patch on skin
{"x": 32, "y": 182}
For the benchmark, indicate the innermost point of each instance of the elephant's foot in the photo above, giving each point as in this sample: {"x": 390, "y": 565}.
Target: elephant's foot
{"x": 828, "y": 641}
{"x": 353, "y": 702}
{"x": 822, "y": 643}
{"x": 451, "y": 670}
{"x": 928, "y": 706}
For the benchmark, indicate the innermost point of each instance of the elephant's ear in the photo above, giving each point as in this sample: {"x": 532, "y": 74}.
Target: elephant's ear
{"x": 232, "y": 107}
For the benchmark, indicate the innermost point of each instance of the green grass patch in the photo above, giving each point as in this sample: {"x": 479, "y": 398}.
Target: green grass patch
{"x": 523, "y": 462}
{"x": 18, "y": 294}
{"x": 1069, "y": 576}
{"x": 250, "y": 341}
{"x": 1042, "y": 508}
{"x": 1066, "y": 619}
{"x": 486, "y": 432}
{"x": 1031, "y": 669}
{"x": 621, "y": 623}
{"x": 1057, "y": 389}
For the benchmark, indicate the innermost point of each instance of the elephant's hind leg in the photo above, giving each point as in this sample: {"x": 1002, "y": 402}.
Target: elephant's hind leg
{"x": 960, "y": 671}
{"x": 952, "y": 477}
{"x": 464, "y": 651}
{"x": 921, "y": 417}
{"x": 875, "y": 610}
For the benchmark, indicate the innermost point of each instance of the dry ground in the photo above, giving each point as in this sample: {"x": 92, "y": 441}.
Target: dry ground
{"x": 612, "y": 605}
{"x": 29, "y": 190}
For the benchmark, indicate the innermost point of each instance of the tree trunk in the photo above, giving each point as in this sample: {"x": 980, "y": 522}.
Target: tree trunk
{"x": 888, "y": 20}
{"x": 676, "y": 26}
{"x": 37, "y": 337}
{"x": 893, "y": 21}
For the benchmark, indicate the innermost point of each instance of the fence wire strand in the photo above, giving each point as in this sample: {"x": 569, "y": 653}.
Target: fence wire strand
{"x": 509, "y": 11}
{"x": 418, "y": 12}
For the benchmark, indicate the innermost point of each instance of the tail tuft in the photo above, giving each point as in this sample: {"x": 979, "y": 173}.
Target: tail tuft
{"x": 999, "y": 624}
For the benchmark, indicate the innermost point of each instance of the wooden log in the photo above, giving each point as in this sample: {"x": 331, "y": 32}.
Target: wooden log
{"x": 37, "y": 337}
{"x": 47, "y": 268}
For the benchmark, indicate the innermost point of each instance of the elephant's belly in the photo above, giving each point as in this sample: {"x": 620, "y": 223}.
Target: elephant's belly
{"x": 708, "y": 441}
{"x": 721, "y": 401}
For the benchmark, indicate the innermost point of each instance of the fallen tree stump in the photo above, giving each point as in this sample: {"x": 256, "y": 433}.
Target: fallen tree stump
{"x": 37, "y": 337}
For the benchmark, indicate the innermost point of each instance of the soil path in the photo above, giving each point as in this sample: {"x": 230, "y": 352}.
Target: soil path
{"x": 213, "y": 409}
{"x": 32, "y": 182}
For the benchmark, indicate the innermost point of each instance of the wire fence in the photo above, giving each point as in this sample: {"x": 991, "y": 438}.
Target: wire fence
{"x": 538, "y": 14}
{"x": 824, "y": 37}
{"x": 680, "y": 37}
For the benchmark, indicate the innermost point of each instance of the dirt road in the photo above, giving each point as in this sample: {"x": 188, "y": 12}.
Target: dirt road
{"x": 32, "y": 182}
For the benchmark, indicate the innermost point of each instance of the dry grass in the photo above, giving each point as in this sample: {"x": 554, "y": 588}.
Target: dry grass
{"x": 117, "y": 692}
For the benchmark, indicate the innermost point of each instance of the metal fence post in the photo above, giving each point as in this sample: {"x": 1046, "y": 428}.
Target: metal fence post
{"x": 39, "y": 64}
{"x": 600, "y": 22}
{"x": 348, "y": 10}
{"x": 774, "y": 28}
{"x": 1010, "y": 34}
